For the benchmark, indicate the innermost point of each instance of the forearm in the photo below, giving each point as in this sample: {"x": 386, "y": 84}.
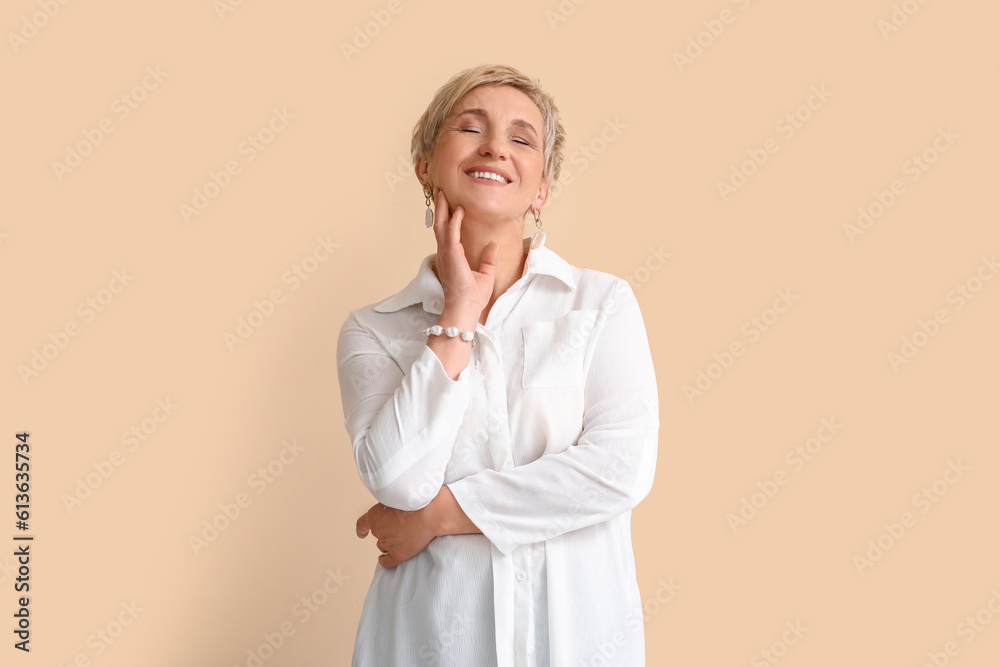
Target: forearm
{"x": 403, "y": 455}
{"x": 447, "y": 517}
{"x": 579, "y": 487}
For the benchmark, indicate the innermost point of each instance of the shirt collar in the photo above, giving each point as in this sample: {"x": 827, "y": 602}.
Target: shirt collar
{"x": 425, "y": 287}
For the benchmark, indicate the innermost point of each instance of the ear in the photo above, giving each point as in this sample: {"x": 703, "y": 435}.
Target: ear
{"x": 543, "y": 195}
{"x": 421, "y": 170}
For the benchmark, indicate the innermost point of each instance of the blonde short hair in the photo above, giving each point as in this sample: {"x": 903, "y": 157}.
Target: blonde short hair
{"x": 426, "y": 130}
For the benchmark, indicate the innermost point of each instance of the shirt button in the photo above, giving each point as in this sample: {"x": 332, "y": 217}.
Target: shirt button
{"x": 531, "y": 649}
{"x": 520, "y": 576}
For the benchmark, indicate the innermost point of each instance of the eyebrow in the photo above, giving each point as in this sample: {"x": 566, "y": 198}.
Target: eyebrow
{"x": 517, "y": 121}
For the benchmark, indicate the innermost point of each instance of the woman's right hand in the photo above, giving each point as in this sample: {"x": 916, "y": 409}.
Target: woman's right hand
{"x": 465, "y": 290}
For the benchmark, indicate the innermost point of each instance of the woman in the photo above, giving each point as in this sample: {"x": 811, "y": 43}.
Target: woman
{"x": 506, "y": 450}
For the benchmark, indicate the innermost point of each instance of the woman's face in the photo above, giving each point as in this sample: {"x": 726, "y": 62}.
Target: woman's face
{"x": 494, "y": 128}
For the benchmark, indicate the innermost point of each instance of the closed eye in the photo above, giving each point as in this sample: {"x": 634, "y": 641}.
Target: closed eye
{"x": 475, "y": 131}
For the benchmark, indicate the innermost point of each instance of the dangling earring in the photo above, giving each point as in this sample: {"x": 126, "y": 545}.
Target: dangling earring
{"x": 429, "y": 215}
{"x": 538, "y": 220}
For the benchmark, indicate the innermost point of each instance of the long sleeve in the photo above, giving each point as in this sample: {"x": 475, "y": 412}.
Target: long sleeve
{"x": 607, "y": 471}
{"x": 402, "y": 427}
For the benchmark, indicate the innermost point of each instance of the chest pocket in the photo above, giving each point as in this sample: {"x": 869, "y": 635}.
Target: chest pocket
{"x": 554, "y": 351}
{"x": 405, "y": 351}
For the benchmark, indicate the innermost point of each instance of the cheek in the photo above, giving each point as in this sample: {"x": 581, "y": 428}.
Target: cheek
{"x": 532, "y": 171}
{"x": 449, "y": 156}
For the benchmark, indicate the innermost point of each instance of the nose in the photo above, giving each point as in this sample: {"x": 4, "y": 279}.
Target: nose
{"x": 493, "y": 144}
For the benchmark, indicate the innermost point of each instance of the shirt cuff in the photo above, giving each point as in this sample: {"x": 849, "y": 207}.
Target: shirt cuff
{"x": 480, "y": 516}
{"x": 441, "y": 372}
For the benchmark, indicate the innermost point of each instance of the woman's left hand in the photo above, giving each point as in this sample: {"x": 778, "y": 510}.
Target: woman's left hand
{"x": 401, "y": 535}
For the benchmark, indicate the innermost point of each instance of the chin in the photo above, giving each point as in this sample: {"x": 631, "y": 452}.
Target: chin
{"x": 485, "y": 211}
{"x": 490, "y": 215}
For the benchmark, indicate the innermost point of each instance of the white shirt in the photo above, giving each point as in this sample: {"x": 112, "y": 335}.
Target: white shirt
{"x": 547, "y": 445}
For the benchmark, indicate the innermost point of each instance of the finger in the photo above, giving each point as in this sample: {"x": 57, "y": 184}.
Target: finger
{"x": 488, "y": 260}
{"x": 363, "y": 525}
{"x": 441, "y": 211}
{"x": 441, "y": 218}
{"x": 388, "y": 561}
{"x": 445, "y": 204}
{"x": 455, "y": 225}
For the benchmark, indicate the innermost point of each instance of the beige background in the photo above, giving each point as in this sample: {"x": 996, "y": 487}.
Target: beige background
{"x": 331, "y": 173}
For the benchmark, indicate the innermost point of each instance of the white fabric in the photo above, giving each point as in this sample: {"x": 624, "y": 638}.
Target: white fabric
{"x": 547, "y": 446}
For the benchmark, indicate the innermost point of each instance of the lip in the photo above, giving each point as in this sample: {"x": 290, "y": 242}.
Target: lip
{"x": 494, "y": 170}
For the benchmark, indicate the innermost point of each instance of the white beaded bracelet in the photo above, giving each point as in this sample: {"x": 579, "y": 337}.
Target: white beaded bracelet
{"x": 437, "y": 330}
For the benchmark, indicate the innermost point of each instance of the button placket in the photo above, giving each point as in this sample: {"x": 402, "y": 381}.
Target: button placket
{"x": 524, "y": 611}
{"x": 523, "y": 617}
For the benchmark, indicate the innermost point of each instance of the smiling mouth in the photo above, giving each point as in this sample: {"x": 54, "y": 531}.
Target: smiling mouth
{"x": 487, "y": 177}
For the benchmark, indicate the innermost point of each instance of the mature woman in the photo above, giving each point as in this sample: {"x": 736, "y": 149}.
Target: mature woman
{"x": 503, "y": 410}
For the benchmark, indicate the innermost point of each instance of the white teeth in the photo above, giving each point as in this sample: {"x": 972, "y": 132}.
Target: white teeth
{"x": 490, "y": 175}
